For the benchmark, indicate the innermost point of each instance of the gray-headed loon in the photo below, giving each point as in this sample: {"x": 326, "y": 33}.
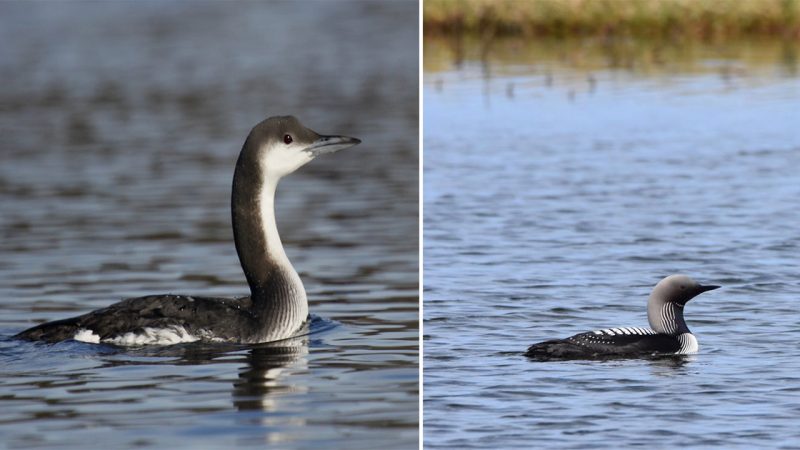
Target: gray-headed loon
{"x": 277, "y": 305}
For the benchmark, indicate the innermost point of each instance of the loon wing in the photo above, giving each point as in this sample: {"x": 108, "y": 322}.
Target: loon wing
{"x": 196, "y": 315}
{"x": 611, "y": 342}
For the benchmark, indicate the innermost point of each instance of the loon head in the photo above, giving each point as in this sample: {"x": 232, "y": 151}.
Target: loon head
{"x": 281, "y": 144}
{"x": 666, "y": 302}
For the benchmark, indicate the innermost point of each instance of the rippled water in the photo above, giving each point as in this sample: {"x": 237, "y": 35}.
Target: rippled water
{"x": 121, "y": 123}
{"x": 561, "y": 183}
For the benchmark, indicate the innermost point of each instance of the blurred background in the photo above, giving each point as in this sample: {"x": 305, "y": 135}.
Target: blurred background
{"x": 121, "y": 123}
{"x": 576, "y": 152}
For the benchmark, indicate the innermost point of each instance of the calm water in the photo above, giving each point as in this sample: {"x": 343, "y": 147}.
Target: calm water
{"x": 121, "y": 124}
{"x": 562, "y": 181}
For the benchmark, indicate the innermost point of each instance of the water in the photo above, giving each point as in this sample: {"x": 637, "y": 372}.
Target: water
{"x": 121, "y": 124}
{"x": 562, "y": 181}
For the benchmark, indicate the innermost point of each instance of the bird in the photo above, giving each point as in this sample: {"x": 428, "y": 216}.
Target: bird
{"x": 667, "y": 334}
{"x": 277, "y": 306}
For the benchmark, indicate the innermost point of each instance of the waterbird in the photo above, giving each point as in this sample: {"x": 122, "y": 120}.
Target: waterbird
{"x": 277, "y": 306}
{"x": 668, "y": 332}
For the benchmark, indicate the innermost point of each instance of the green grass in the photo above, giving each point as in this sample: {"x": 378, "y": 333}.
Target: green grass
{"x": 672, "y": 19}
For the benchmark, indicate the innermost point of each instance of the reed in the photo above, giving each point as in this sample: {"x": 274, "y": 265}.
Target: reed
{"x": 696, "y": 19}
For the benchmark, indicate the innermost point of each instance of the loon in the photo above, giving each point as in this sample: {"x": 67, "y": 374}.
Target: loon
{"x": 668, "y": 333}
{"x": 276, "y": 307}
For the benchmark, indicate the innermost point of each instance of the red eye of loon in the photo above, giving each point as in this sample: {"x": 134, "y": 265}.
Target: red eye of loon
{"x": 287, "y": 139}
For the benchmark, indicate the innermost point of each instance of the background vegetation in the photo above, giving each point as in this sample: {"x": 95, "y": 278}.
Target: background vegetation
{"x": 697, "y": 19}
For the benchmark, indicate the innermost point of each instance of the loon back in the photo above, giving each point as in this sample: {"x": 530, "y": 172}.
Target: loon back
{"x": 614, "y": 342}
{"x": 164, "y": 319}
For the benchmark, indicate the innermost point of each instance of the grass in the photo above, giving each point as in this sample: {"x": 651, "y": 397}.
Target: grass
{"x": 671, "y": 19}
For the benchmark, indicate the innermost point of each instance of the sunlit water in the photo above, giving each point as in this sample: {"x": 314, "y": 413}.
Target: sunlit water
{"x": 560, "y": 185}
{"x": 121, "y": 124}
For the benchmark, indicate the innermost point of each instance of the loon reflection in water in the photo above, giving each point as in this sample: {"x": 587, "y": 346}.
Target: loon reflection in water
{"x": 277, "y": 306}
{"x": 668, "y": 332}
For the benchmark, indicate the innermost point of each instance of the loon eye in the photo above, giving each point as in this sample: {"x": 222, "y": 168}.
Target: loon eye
{"x": 287, "y": 139}
{"x": 683, "y": 287}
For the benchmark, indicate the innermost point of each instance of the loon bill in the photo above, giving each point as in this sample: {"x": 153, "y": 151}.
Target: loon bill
{"x": 668, "y": 333}
{"x": 277, "y": 306}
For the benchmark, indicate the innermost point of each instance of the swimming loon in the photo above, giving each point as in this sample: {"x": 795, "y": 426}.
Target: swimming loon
{"x": 668, "y": 333}
{"x": 277, "y": 306}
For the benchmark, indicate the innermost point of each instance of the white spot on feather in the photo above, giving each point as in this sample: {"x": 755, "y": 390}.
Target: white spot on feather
{"x": 85, "y": 335}
{"x": 154, "y": 336}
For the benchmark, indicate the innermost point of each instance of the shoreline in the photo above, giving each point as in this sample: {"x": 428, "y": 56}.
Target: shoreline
{"x": 664, "y": 19}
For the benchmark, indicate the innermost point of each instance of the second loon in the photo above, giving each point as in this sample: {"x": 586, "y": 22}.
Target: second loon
{"x": 668, "y": 333}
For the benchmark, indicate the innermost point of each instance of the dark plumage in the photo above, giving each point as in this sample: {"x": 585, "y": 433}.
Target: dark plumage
{"x": 591, "y": 345}
{"x": 199, "y": 316}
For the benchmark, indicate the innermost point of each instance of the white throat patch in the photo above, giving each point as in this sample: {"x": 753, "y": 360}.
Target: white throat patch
{"x": 281, "y": 159}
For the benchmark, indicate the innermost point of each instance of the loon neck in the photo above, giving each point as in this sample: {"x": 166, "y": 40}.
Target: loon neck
{"x": 666, "y": 317}
{"x": 275, "y": 287}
